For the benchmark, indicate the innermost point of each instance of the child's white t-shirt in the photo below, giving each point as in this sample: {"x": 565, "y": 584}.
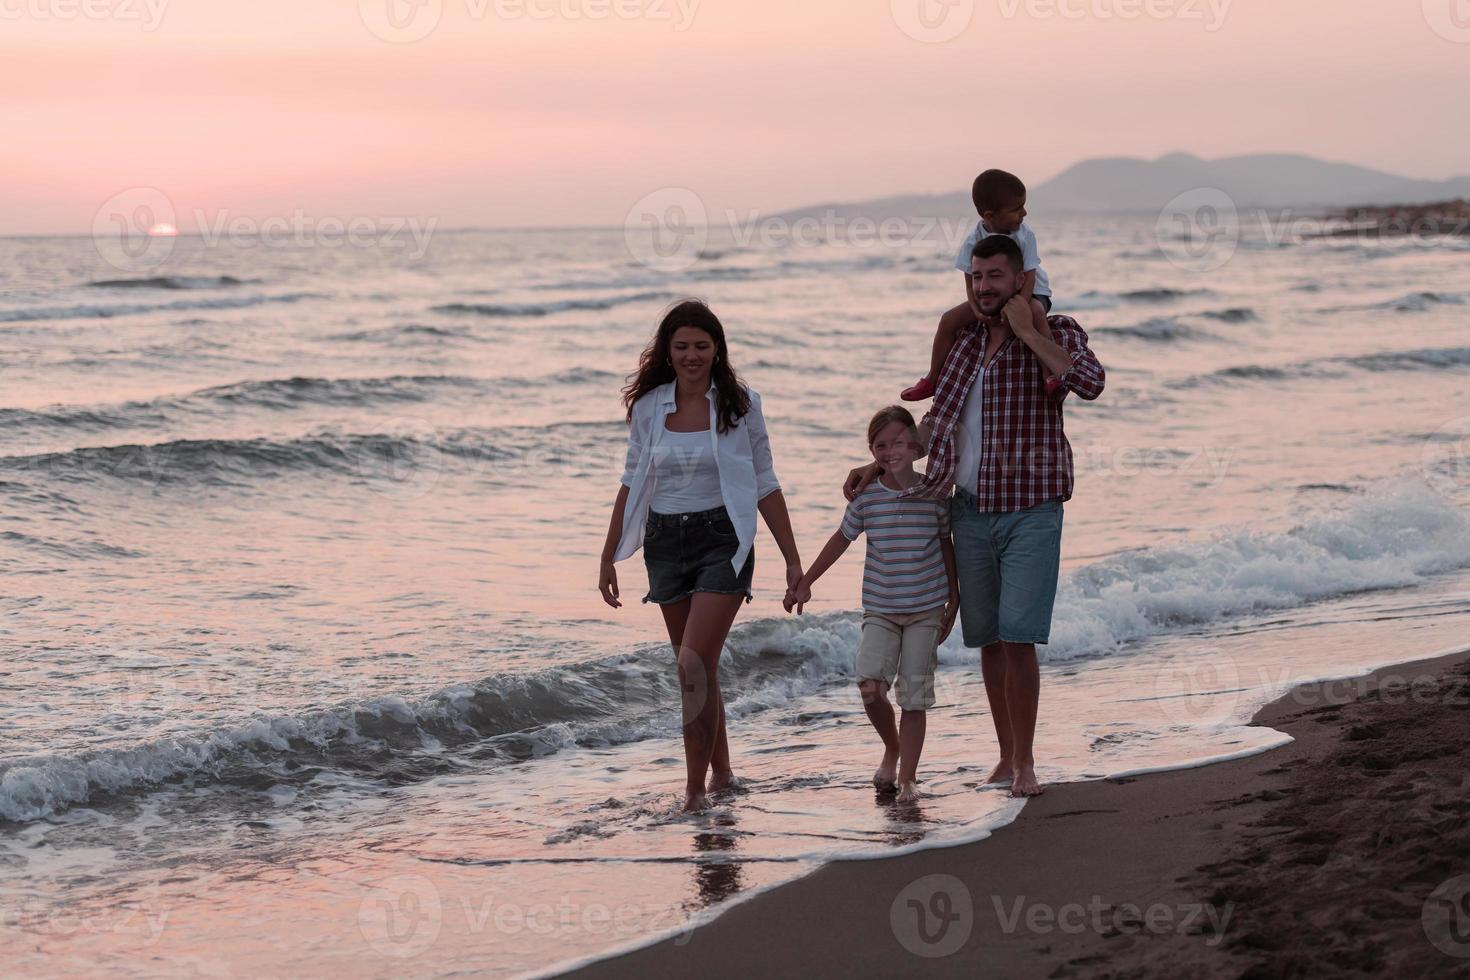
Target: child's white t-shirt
{"x": 1031, "y": 258}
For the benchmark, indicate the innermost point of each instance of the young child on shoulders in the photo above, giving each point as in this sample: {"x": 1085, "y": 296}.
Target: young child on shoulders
{"x": 910, "y": 596}
{"x": 1000, "y": 200}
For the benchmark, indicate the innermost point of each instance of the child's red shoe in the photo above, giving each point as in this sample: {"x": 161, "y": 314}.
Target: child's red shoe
{"x": 924, "y": 389}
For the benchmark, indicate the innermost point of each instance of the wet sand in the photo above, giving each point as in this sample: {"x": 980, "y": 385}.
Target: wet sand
{"x": 1338, "y": 854}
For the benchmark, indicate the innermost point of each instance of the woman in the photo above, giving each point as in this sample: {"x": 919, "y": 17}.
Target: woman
{"x": 698, "y": 469}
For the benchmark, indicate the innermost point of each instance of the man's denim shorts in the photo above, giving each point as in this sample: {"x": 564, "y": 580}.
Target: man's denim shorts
{"x": 1008, "y": 565}
{"x": 689, "y": 553}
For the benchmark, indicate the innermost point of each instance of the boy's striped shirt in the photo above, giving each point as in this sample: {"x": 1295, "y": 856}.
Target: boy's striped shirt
{"x": 905, "y": 566}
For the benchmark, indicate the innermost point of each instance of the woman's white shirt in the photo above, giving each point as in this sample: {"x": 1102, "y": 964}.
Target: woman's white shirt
{"x": 743, "y": 455}
{"x": 686, "y": 478}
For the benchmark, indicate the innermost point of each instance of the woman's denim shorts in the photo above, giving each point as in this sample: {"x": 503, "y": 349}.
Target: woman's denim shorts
{"x": 689, "y": 553}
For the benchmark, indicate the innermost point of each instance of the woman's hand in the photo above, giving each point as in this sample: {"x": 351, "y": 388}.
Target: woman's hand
{"x": 858, "y": 479}
{"x": 607, "y": 584}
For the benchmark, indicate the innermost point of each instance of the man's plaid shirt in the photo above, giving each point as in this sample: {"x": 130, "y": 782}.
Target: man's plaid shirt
{"x": 1024, "y": 455}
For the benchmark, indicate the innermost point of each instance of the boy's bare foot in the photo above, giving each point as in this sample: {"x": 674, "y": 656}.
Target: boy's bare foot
{"x": 1002, "y": 774}
{"x": 1025, "y": 783}
{"x": 908, "y": 793}
{"x": 695, "y": 803}
{"x": 723, "y": 780}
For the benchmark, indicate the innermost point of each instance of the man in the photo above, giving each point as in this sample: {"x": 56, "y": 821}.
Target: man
{"x": 995, "y": 435}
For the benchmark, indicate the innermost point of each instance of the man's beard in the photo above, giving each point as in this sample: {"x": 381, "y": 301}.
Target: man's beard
{"x": 1000, "y": 304}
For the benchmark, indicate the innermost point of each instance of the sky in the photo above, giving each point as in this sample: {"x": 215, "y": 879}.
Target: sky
{"x": 567, "y": 112}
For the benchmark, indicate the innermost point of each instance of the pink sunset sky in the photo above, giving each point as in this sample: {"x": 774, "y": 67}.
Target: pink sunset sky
{"x": 542, "y": 112}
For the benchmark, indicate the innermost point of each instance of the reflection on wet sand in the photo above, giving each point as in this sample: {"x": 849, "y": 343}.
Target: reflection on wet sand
{"x": 716, "y": 875}
{"x": 906, "y": 820}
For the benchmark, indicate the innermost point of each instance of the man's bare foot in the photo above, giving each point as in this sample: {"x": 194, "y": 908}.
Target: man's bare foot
{"x": 723, "y": 780}
{"x": 908, "y": 792}
{"x": 1002, "y": 774}
{"x": 885, "y": 780}
{"x": 1025, "y": 783}
{"x": 695, "y": 803}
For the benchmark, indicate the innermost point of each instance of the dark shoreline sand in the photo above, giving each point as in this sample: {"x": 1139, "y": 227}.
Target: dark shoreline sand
{"x": 1315, "y": 859}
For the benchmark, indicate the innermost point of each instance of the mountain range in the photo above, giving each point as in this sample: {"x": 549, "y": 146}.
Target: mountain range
{"x": 1122, "y": 184}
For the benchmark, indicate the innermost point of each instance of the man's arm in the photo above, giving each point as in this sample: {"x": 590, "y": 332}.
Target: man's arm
{"x": 1063, "y": 350}
{"x": 952, "y": 605}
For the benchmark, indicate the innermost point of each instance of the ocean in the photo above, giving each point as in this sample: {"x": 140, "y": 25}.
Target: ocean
{"x": 306, "y": 669}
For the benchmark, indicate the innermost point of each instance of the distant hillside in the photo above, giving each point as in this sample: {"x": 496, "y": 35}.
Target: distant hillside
{"x": 1129, "y": 184}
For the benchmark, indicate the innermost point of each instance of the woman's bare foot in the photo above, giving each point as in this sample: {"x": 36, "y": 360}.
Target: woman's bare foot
{"x": 722, "y": 780}
{"x": 908, "y": 792}
{"x": 1025, "y": 783}
{"x": 1002, "y": 774}
{"x": 695, "y": 803}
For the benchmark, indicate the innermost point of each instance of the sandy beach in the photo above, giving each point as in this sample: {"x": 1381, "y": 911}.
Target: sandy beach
{"x": 1338, "y": 854}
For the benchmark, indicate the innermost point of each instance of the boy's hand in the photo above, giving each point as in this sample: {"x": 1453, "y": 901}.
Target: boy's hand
{"x": 951, "y": 610}
{"x": 858, "y": 479}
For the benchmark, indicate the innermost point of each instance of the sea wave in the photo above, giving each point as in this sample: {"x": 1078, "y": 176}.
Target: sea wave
{"x": 172, "y": 282}
{"x": 410, "y": 334}
{"x": 1161, "y": 294}
{"x": 1391, "y": 536}
{"x": 395, "y": 739}
{"x": 412, "y": 457}
{"x": 1160, "y": 330}
{"x": 270, "y": 393}
{"x": 548, "y": 309}
{"x": 97, "y": 311}
{"x": 1433, "y": 357}
{"x": 1428, "y": 358}
{"x": 1237, "y": 314}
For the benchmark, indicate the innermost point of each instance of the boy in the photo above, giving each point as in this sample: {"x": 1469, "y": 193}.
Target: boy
{"x": 1000, "y": 199}
{"x": 910, "y": 596}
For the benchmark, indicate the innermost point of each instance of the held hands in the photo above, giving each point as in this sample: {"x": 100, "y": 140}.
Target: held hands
{"x": 607, "y": 584}
{"x": 797, "y": 595}
{"x": 795, "y": 580}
